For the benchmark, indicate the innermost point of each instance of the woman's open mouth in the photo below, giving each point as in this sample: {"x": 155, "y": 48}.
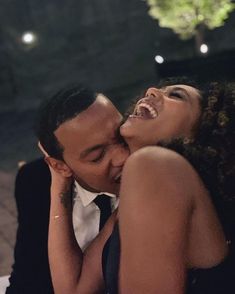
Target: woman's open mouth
{"x": 144, "y": 111}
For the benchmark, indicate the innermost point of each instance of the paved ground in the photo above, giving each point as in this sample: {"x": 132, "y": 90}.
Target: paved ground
{"x": 17, "y": 143}
{"x": 8, "y": 221}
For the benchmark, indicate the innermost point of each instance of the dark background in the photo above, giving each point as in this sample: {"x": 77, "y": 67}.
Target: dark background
{"x": 109, "y": 45}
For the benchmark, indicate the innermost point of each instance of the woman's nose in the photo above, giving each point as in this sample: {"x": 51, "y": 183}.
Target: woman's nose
{"x": 153, "y": 92}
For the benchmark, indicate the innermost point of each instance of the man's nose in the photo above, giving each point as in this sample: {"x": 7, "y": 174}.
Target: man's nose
{"x": 119, "y": 155}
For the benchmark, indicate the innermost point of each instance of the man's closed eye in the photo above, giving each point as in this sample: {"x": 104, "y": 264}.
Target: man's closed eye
{"x": 99, "y": 157}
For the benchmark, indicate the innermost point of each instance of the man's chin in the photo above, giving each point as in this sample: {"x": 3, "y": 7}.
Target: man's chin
{"x": 113, "y": 188}
{"x": 87, "y": 187}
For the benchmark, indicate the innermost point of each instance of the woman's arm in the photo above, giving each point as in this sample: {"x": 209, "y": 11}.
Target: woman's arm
{"x": 154, "y": 216}
{"x": 65, "y": 256}
{"x": 71, "y": 270}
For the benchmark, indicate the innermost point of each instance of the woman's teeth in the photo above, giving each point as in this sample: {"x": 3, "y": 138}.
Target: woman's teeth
{"x": 146, "y": 111}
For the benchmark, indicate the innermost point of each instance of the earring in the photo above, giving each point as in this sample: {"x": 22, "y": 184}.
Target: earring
{"x": 187, "y": 141}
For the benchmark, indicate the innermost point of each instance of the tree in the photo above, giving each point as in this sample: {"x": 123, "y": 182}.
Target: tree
{"x": 189, "y": 18}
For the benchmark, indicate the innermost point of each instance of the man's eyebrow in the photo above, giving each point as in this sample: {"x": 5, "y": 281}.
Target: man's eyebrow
{"x": 91, "y": 149}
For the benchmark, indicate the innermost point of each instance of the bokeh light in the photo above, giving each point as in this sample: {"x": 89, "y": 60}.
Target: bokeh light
{"x": 28, "y": 38}
{"x": 204, "y": 48}
{"x": 159, "y": 59}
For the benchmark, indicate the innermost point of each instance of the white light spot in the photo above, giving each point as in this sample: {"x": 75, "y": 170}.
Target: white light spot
{"x": 204, "y": 48}
{"x": 159, "y": 59}
{"x": 21, "y": 163}
{"x": 28, "y": 38}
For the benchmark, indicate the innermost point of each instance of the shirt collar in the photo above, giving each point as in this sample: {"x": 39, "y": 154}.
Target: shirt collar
{"x": 86, "y": 196}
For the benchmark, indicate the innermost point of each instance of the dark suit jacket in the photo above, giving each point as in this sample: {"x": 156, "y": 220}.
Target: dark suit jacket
{"x": 30, "y": 274}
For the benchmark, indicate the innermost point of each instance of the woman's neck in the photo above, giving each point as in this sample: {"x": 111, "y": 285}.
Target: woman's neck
{"x": 134, "y": 146}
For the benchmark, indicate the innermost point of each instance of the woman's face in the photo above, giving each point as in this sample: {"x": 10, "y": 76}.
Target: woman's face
{"x": 162, "y": 115}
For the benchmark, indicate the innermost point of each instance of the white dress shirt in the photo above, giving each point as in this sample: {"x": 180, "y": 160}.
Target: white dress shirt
{"x": 86, "y": 214}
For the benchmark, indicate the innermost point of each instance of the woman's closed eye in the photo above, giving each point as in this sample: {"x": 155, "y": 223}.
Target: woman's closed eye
{"x": 176, "y": 94}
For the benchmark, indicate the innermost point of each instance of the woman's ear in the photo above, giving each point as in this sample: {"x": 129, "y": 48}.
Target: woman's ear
{"x": 59, "y": 166}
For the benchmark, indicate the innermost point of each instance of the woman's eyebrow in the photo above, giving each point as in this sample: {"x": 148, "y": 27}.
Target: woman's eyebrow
{"x": 176, "y": 88}
{"x": 181, "y": 89}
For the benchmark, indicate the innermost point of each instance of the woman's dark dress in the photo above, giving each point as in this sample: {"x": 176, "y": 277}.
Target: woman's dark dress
{"x": 216, "y": 280}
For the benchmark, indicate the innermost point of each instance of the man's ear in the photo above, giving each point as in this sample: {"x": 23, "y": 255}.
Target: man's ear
{"x": 59, "y": 166}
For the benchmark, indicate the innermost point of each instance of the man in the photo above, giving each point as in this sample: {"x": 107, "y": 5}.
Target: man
{"x": 80, "y": 131}
{"x": 31, "y": 272}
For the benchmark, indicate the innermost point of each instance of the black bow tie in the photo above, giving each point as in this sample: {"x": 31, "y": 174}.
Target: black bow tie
{"x": 103, "y": 202}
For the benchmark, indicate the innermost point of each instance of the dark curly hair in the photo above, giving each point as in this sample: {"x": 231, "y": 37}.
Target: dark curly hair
{"x": 212, "y": 151}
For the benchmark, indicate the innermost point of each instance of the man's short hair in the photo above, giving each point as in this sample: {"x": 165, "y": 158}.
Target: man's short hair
{"x": 63, "y": 106}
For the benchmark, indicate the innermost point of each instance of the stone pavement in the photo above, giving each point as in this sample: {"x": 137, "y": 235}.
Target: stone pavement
{"x": 8, "y": 221}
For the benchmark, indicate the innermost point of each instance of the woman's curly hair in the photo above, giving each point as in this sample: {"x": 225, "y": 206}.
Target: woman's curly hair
{"x": 212, "y": 151}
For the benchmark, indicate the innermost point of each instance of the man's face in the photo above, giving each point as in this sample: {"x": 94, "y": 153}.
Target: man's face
{"x": 91, "y": 146}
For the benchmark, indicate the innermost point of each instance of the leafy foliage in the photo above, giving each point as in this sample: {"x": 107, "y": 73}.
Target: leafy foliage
{"x": 185, "y": 16}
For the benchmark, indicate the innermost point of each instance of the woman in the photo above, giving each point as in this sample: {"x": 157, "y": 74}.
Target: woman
{"x": 165, "y": 207}
{"x": 168, "y": 225}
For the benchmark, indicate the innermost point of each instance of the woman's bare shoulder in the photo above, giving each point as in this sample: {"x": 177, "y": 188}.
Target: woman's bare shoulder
{"x": 155, "y": 157}
{"x": 161, "y": 168}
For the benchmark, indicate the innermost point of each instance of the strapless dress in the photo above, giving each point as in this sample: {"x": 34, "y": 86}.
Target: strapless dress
{"x": 219, "y": 279}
